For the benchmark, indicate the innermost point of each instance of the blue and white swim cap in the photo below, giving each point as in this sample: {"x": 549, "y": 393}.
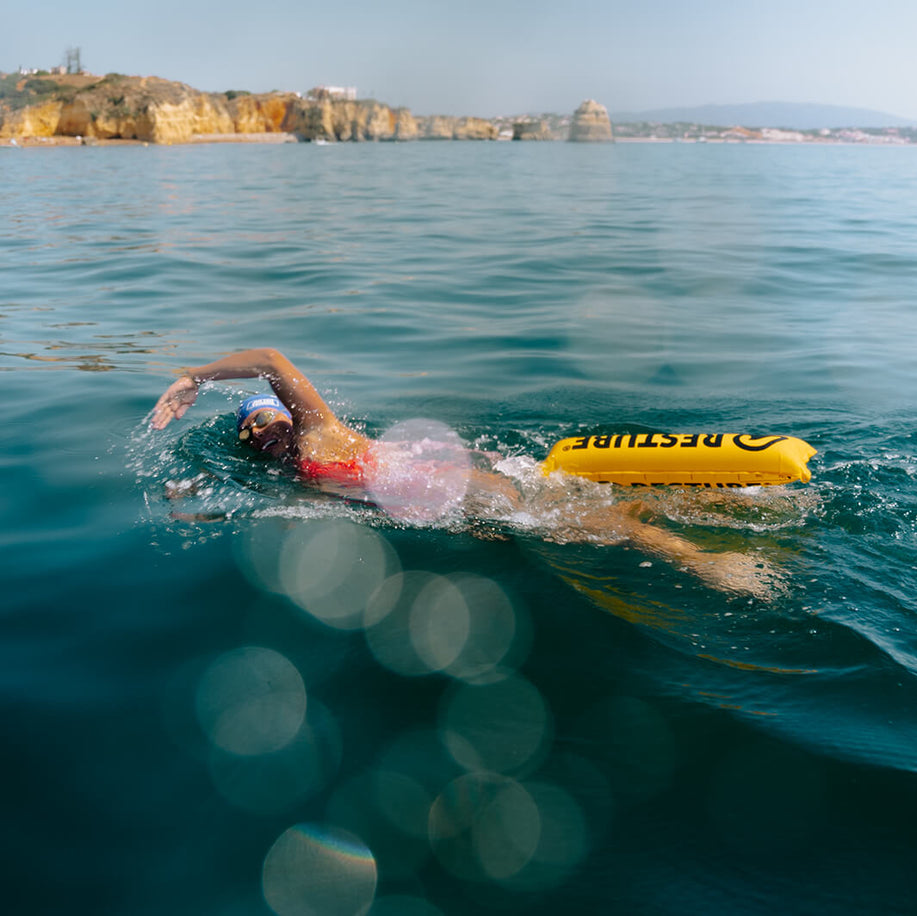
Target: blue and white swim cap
{"x": 259, "y": 402}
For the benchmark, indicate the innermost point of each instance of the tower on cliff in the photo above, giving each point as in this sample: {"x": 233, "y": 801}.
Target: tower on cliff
{"x": 73, "y": 60}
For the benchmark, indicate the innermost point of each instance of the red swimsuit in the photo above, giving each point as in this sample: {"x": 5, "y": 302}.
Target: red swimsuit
{"x": 351, "y": 472}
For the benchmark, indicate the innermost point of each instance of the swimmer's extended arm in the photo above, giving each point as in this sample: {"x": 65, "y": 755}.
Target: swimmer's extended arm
{"x": 307, "y": 406}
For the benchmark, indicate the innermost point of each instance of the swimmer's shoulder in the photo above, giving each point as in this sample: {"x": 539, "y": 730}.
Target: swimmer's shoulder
{"x": 333, "y": 441}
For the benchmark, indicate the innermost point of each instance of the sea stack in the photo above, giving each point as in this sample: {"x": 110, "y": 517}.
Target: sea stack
{"x": 591, "y": 124}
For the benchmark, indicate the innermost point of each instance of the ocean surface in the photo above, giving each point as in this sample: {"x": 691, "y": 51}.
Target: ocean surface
{"x": 224, "y": 692}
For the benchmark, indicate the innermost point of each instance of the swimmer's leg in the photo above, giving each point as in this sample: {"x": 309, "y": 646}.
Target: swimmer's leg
{"x": 729, "y": 572}
{"x": 490, "y": 495}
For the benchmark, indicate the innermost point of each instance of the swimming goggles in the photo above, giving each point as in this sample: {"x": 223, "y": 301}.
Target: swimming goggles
{"x": 261, "y": 419}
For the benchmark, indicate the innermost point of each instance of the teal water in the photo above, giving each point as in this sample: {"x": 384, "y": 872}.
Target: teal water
{"x": 256, "y": 698}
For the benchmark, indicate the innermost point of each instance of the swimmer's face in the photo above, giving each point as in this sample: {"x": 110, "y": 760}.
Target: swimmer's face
{"x": 268, "y": 430}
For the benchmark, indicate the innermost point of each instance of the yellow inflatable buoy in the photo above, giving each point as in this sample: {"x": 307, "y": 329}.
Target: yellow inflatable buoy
{"x": 683, "y": 459}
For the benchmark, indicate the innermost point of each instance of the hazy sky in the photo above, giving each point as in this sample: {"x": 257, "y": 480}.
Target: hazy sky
{"x": 490, "y": 57}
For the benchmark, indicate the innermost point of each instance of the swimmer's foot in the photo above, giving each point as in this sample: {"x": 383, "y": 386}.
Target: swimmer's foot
{"x": 738, "y": 573}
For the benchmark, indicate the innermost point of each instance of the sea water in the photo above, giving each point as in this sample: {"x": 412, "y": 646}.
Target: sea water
{"x": 225, "y": 692}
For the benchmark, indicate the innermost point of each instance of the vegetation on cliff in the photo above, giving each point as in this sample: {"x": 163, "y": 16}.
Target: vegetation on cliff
{"x": 19, "y": 92}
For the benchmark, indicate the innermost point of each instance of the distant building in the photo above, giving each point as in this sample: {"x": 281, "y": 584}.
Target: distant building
{"x": 60, "y": 70}
{"x": 348, "y": 93}
{"x": 774, "y": 135}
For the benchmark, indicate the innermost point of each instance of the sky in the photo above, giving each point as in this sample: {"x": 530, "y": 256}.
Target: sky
{"x": 494, "y": 57}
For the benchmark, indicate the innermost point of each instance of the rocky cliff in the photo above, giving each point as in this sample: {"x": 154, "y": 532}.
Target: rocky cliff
{"x": 155, "y": 110}
{"x": 442, "y": 127}
{"x": 338, "y": 119}
{"x": 160, "y": 111}
{"x": 591, "y": 123}
{"x": 256, "y": 114}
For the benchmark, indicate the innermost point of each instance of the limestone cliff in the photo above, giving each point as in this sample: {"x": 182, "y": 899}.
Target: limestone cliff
{"x": 257, "y": 114}
{"x": 342, "y": 120}
{"x": 441, "y": 127}
{"x": 435, "y": 127}
{"x": 115, "y": 107}
{"x": 135, "y": 108}
{"x": 591, "y": 123}
{"x": 405, "y": 125}
{"x": 160, "y": 111}
{"x": 474, "y": 129}
{"x": 34, "y": 121}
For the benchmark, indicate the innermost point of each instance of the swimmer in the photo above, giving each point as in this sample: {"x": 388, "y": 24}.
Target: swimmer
{"x": 296, "y": 425}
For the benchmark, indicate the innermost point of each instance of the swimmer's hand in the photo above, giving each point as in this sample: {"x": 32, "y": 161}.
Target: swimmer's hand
{"x": 177, "y": 398}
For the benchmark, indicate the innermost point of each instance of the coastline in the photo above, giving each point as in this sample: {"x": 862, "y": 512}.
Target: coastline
{"x": 279, "y": 137}
{"x": 56, "y": 141}
{"x": 84, "y": 110}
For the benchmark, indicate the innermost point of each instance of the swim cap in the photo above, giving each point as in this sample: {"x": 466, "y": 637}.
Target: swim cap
{"x": 259, "y": 402}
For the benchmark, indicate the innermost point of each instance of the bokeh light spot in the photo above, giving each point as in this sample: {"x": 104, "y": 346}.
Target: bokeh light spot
{"x": 462, "y": 625}
{"x": 503, "y": 726}
{"x": 258, "y": 552}
{"x": 270, "y": 783}
{"x": 251, "y": 700}
{"x": 319, "y": 871}
{"x": 494, "y": 630}
{"x": 332, "y": 567}
{"x": 439, "y": 623}
{"x": 484, "y": 826}
{"x": 358, "y": 805}
{"x": 420, "y": 471}
{"x": 388, "y": 623}
{"x": 563, "y": 839}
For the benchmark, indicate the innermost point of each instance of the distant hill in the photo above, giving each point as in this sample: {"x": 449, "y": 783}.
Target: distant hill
{"x": 795, "y": 116}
